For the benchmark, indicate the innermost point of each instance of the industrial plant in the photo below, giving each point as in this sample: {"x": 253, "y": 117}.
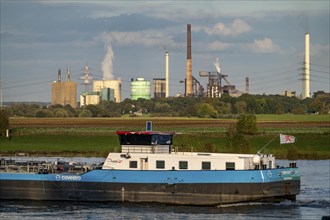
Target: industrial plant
{"x": 64, "y": 93}
{"x": 109, "y": 89}
{"x": 105, "y": 90}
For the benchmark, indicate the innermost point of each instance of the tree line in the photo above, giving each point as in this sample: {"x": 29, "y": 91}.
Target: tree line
{"x": 202, "y": 107}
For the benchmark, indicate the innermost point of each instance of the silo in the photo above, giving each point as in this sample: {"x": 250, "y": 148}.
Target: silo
{"x": 159, "y": 87}
{"x": 140, "y": 88}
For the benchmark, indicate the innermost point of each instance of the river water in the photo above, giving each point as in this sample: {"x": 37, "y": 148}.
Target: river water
{"x": 312, "y": 203}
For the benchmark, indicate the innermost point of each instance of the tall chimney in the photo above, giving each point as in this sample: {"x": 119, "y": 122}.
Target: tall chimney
{"x": 166, "y": 73}
{"x": 189, "y": 86}
{"x": 306, "y": 78}
{"x": 247, "y": 85}
{"x": 68, "y": 75}
{"x": 59, "y": 75}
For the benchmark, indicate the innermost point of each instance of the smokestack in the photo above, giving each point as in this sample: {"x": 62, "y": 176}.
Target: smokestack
{"x": 247, "y": 85}
{"x": 68, "y": 75}
{"x": 59, "y": 75}
{"x": 189, "y": 86}
{"x": 306, "y": 78}
{"x": 166, "y": 73}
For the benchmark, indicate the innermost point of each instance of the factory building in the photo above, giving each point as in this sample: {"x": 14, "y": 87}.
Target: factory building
{"x": 94, "y": 98}
{"x": 107, "y": 94}
{"x": 289, "y": 93}
{"x": 64, "y": 93}
{"x": 159, "y": 88}
{"x": 140, "y": 88}
{"x": 89, "y": 98}
{"x": 115, "y": 85}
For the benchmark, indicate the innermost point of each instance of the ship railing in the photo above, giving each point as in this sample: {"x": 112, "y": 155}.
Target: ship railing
{"x": 152, "y": 149}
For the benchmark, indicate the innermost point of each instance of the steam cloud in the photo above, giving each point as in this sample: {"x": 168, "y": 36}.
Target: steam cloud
{"x": 107, "y": 63}
{"x": 217, "y": 65}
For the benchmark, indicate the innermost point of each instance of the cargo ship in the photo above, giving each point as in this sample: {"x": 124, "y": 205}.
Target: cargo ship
{"x": 149, "y": 168}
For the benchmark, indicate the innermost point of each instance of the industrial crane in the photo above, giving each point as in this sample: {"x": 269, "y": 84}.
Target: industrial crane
{"x": 214, "y": 86}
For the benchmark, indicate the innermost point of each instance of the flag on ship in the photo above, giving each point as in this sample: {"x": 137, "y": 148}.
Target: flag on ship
{"x": 287, "y": 139}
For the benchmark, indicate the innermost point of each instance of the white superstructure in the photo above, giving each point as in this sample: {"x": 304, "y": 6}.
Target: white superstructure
{"x": 154, "y": 151}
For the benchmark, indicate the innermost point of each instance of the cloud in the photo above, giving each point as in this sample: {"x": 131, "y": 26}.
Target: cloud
{"x": 218, "y": 46}
{"x": 319, "y": 50}
{"x": 148, "y": 39}
{"x": 236, "y": 28}
{"x": 265, "y": 45}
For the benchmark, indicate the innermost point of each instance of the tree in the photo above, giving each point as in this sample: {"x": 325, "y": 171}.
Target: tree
{"x": 93, "y": 109}
{"x": 236, "y": 142}
{"x": 44, "y": 113}
{"x": 206, "y": 110}
{"x": 4, "y": 122}
{"x": 240, "y": 107}
{"x": 61, "y": 113}
{"x": 162, "y": 107}
{"x": 247, "y": 124}
{"x": 85, "y": 114}
{"x": 298, "y": 111}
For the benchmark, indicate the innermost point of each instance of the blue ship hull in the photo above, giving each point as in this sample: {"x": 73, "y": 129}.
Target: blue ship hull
{"x": 175, "y": 187}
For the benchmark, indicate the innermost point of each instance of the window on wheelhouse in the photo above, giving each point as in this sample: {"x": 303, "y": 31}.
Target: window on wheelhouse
{"x": 183, "y": 165}
{"x": 133, "y": 164}
{"x": 135, "y": 139}
{"x": 161, "y": 139}
{"x": 160, "y": 164}
{"x": 230, "y": 166}
{"x": 206, "y": 165}
{"x": 145, "y": 139}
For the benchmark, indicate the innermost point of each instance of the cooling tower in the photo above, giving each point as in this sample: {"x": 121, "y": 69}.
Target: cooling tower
{"x": 189, "y": 86}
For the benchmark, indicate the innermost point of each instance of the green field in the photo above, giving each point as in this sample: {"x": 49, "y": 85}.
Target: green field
{"x": 96, "y": 136}
{"x": 311, "y": 146}
{"x": 289, "y": 117}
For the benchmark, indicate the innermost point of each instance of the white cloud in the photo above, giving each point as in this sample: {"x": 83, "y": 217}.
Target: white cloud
{"x": 148, "y": 39}
{"x": 218, "y": 46}
{"x": 318, "y": 49}
{"x": 237, "y": 27}
{"x": 265, "y": 45}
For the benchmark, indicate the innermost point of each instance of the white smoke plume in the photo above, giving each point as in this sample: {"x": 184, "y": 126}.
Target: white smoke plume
{"x": 217, "y": 65}
{"x": 107, "y": 63}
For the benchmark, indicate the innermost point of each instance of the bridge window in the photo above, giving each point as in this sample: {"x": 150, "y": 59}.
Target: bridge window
{"x": 206, "y": 165}
{"x": 183, "y": 165}
{"x": 160, "y": 164}
{"x": 161, "y": 139}
{"x": 133, "y": 164}
{"x": 230, "y": 166}
{"x": 134, "y": 139}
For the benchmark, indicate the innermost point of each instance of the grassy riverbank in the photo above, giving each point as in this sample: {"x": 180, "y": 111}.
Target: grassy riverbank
{"x": 96, "y": 137}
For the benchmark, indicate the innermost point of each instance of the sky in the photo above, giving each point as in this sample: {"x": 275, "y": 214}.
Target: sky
{"x": 262, "y": 40}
